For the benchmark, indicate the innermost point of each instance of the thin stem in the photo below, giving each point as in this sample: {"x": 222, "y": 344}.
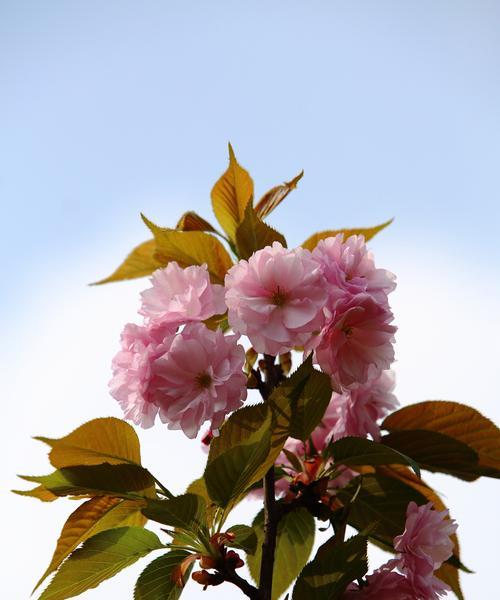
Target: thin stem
{"x": 247, "y": 588}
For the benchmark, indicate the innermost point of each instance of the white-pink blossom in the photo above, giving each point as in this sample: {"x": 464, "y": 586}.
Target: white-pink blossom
{"x": 276, "y": 298}
{"x": 130, "y": 384}
{"x": 356, "y": 342}
{"x": 349, "y": 267}
{"x": 357, "y": 412}
{"x": 199, "y": 378}
{"x": 181, "y": 295}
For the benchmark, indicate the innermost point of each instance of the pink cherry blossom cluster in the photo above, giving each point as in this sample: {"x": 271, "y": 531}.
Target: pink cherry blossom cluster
{"x": 421, "y": 549}
{"x": 333, "y": 302}
{"x": 173, "y": 365}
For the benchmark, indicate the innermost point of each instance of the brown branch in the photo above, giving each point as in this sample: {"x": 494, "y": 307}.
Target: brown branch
{"x": 248, "y": 589}
{"x": 270, "y": 533}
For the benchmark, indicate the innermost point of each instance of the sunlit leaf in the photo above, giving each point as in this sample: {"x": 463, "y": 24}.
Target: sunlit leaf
{"x": 367, "y": 232}
{"x": 156, "y": 582}
{"x": 294, "y": 544}
{"x": 271, "y": 199}
{"x": 96, "y": 515}
{"x": 332, "y": 569}
{"x": 39, "y": 492}
{"x": 106, "y": 440}
{"x": 239, "y": 456}
{"x": 252, "y": 234}
{"x": 101, "y": 557}
{"x": 191, "y": 248}
{"x": 354, "y": 451}
{"x": 231, "y": 195}
{"x": 140, "y": 262}
{"x": 456, "y": 421}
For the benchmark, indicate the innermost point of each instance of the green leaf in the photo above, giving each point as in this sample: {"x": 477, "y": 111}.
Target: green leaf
{"x": 94, "y": 480}
{"x": 238, "y": 457}
{"x": 191, "y": 248}
{"x": 96, "y": 515}
{"x": 436, "y": 452}
{"x": 305, "y": 397}
{"x": 38, "y": 492}
{"x": 294, "y": 544}
{"x": 352, "y": 451}
{"x": 381, "y": 503}
{"x": 156, "y": 581}
{"x": 231, "y": 195}
{"x": 101, "y": 557}
{"x": 367, "y": 232}
{"x": 333, "y": 568}
{"x": 140, "y": 262}
{"x": 106, "y": 440}
{"x": 245, "y": 538}
{"x": 252, "y": 234}
{"x": 275, "y": 196}
{"x": 457, "y": 421}
{"x": 186, "y": 511}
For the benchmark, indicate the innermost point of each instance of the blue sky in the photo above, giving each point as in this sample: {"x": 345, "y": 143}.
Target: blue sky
{"x": 111, "y": 108}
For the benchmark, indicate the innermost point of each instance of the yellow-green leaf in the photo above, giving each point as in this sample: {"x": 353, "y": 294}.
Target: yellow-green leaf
{"x": 101, "y": 557}
{"x": 191, "y": 248}
{"x": 191, "y": 221}
{"x": 96, "y": 515}
{"x": 252, "y": 234}
{"x": 104, "y": 440}
{"x": 140, "y": 262}
{"x": 231, "y": 195}
{"x": 39, "y": 492}
{"x": 271, "y": 199}
{"x": 367, "y": 232}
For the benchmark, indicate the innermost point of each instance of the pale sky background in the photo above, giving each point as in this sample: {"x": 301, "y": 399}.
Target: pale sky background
{"x": 112, "y": 108}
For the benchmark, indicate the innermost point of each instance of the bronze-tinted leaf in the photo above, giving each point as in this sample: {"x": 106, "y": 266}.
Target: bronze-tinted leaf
{"x": 271, "y": 199}
{"x": 191, "y": 221}
{"x": 252, "y": 234}
{"x": 191, "y": 248}
{"x": 231, "y": 195}
{"x": 140, "y": 262}
{"x": 367, "y": 232}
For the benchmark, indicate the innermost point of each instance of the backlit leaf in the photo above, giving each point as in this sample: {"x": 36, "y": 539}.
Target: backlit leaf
{"x": 456, "y": 421}
{"x": 271, "y": 199}
{"x": 354, "y": 451}
{"x": 231, "y": 195}
{"x": 294, "y": 544}
{"x": 191, "y": 248}
{"x": 332, "y": 569}
{"x": 156, "y": 582}
{"x": 252, "y": 234}
{"x": 245, "y": 538}
{"x": 140, "y": 262}
{"x": 96, "y": 515}
{"x": 103, "y": 440}
{"x": 101, "y": 557}
{"x": 39, "y": 492}
{"x": 95, "y": 480}
{"x": 186, "y": 511}
{"x": 436, "y": 452}
{"x": 191, "y": 221}
{"x": 367, "y": 232}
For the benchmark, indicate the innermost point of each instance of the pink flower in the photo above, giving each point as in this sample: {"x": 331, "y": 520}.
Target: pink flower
{"x": 131, "y": 380}
{"x": 425, "y": 544}
{"x": 199, "y": 378}
{"x": 356, "y": 412}
{"x": 356, "y": 342}
{"x": 349, "y": 267}
{"x": 181, "y": 296}
{"x": 276, "y": 298}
